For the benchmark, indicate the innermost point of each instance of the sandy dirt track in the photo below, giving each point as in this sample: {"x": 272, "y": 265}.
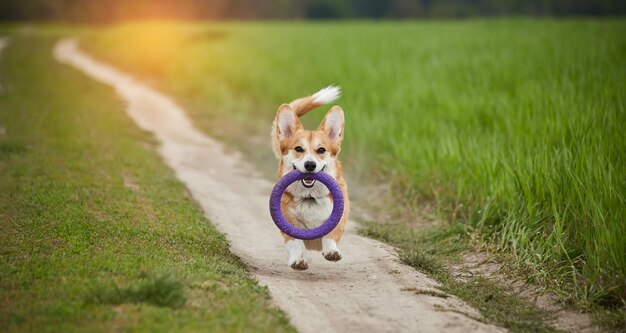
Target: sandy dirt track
{"x": 367, "y": 291}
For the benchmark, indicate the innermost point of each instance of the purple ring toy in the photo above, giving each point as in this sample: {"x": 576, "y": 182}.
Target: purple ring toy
{"x": 299, "y": 233}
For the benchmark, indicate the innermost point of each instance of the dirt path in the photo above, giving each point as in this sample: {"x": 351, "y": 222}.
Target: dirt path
{"x": 367, "y": 291}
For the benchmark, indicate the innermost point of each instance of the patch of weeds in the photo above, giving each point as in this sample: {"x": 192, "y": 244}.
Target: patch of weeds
{"x": 7, "y": 148}
{"x": 159, "y": 290}
{"x": 614, "y": 320}
{"x": 429, "y": 292}
{"x": 498, "y": 306}
{"x": 448, "y": 240}
{"x": 423, "y": 262}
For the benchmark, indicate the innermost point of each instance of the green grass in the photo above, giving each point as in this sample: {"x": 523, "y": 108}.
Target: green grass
{"x": 159, "y": 290}
{"x": 96, "y": 233}
{"x": 514, "y": 127}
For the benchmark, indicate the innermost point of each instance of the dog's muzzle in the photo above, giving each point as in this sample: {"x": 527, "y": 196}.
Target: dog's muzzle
{"x": 307, "y": 182}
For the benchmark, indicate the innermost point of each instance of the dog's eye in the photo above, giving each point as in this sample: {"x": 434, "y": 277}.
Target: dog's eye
{"x": 321, "y": 150}
{"x": 299, "y": 149}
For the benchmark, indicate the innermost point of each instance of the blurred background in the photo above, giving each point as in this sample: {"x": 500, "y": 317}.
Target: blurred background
{"x": 119, "y": 10}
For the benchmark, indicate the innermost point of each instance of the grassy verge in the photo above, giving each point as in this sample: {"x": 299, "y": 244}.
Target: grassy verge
{"x": 96, "y": 233}
{"x": 512, "y": 127}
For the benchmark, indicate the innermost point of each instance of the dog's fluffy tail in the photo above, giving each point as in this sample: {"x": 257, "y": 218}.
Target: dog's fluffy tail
{"x": 302, "y": 106}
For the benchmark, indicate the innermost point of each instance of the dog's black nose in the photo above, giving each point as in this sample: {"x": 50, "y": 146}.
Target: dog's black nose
{"x": 309, "y": 165}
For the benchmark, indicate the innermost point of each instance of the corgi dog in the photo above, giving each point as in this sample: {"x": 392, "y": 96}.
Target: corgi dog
{"x": 307, "y": 203}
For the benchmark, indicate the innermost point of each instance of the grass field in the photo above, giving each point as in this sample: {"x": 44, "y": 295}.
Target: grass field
{"x": 513, "y": 127}
{"x": 96, "y": 233}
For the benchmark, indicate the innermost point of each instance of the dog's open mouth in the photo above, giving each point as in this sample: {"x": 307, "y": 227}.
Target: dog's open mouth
{"x": 308, "y": 182}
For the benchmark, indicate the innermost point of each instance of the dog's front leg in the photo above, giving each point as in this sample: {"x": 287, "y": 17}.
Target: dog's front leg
{"x": 330, "y": 251}
{"x": 296, "y": 250}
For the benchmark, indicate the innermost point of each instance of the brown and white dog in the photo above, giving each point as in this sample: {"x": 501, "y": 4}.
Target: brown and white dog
{"x": 307, "y": 204}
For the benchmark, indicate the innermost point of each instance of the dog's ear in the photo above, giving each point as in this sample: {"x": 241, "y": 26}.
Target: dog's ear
{"x": 287, "y": 122}
{"x": 332, "y": 124}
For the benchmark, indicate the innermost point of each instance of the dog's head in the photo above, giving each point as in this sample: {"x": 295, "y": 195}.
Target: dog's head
{"x": 309, "y": 151}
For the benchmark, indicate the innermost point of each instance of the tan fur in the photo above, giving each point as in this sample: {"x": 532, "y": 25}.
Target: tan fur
{"x": 283, "y": 146}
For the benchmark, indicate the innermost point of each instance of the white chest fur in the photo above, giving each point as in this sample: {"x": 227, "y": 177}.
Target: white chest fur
{"x": 312, "y": 213}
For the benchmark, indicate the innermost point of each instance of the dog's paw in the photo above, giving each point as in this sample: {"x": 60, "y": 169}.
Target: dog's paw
{"x": 300, "y": 265}
{"x": 332, "y": 255}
